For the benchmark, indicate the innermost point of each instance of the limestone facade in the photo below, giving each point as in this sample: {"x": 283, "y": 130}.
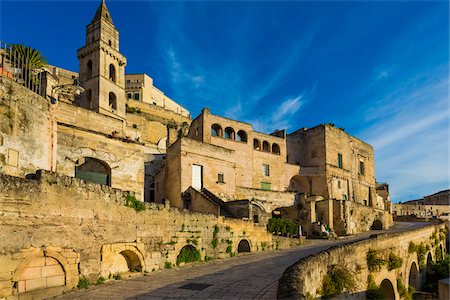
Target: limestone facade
{"x": 56, "y": 228}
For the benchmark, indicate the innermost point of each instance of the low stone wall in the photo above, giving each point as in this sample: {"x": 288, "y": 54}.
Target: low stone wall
{"x": 304, "y": 279}
{"x": 85, "y": 229}
{"x": 282, "y": 242}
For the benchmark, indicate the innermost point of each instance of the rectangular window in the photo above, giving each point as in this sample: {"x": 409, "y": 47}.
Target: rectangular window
{"x": 136, "y": 96}
{"x": 266, "y": 170}
{"x": 266, "y": 186}
{"x": 361, "y": 168}
{"x": 220, "y": 178}
{"x": 344, "y": 197}
{"x": 339, "y": 160}
{"x": 130, "y": 95}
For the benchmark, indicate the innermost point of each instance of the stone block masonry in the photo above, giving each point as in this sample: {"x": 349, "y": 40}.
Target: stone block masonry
{"x": 55, "y": 228}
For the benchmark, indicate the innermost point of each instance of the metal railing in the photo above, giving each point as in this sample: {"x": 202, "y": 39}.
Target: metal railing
{"x": 19, "y": 66}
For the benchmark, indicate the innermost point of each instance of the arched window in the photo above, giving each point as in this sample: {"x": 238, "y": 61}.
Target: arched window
{"x": 216, "y": 130}
{"x": 229, "y": 133}
{"x": 256, "y": 144}
{"x": 266, "y": 146}
{"x": 241, "y": 136}
{"x": 93, "y": 170}
{"x": 276, "y": 149}
{"x": 89, "y": 69}
{"x": 112, "y": 100}
{"x": 110, "y": 43}
{"x": 112, "y": 73}
{"x": 89, "y": 98}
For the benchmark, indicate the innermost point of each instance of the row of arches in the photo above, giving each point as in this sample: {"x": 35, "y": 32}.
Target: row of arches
{"x": 266, "y": 147}
{"x": 229, "y": 133}
{"x": 111, "y": 71}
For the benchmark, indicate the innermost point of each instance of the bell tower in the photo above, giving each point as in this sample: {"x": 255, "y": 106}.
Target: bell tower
{"x": 102, "y": 67}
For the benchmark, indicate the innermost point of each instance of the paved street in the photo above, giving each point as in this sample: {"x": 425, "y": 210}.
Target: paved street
{"x": 252, "y": 276}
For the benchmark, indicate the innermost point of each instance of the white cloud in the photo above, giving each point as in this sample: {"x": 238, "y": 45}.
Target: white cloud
{"x": 288, "y": 108}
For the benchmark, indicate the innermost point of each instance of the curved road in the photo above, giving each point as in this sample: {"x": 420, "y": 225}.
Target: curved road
{"x": 253, "y": 276}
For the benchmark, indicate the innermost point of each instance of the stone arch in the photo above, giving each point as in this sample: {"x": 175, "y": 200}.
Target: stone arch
{"x": 93, "y": 170}
{"x": 229, "y": 133}
{"x": 414, "y": 276}
{"x": 265, "y": 146}
{"x": 276, "y": 149}
{"x": 300, "y": 184}
{"x": 112, "y": 100}
{"x": 241, "y": 136}
{"x": 112, "y": 72}
{"x": 387, "y": 289}
{"x": 216, "y": 130}
{"x": 56, "y": 273}
{"x": 256, "y": 144}
{"x": 121, "y": 258}
{"x": 377, "y": 225}
{"x": 244, "y": 246}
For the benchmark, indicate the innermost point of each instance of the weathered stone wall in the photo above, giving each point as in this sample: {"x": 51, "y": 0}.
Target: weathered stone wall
{"x": 269, "y": 200}
{"x": 25, "y": 130}
{"x": 303, "y": 280}
{"x": 89, "y": 231}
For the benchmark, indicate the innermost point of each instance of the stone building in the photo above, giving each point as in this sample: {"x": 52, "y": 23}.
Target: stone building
{"x": 119, "y": 130}
{"x": 436, "y": 205}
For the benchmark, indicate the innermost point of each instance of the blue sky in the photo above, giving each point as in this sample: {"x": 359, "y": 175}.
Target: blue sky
{"x": 378, "y": 69}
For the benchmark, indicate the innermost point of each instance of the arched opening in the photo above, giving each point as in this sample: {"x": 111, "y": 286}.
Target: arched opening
{"x": 442, "y": 252}
{"x": 241, "y": 136}
{"x": 429, "y": 269}
{"x": 229, "y": 133}
{"x": 93, "y": 170}
{"x": 112, "y": 101}
{"x": 216, "y": 130}
{"x": 125, "y": 261}
{"x": 89, "y": 98}
{"x": 243, "y": 246}
{"x": 276, "y": 149}
{"x": 256, "y": 144}
{"x": 377, "y": 225}
{"x": 387, "y": 289}
{"x": 89, "y": 69}
{"x": 188, "y": 254}
{"x": 266, "y": 146}
{"x": 41, "y": 273}
{"x": 110, "y": 43}
{"x": 413, "y": 278}
{"x": 112, "y": 73}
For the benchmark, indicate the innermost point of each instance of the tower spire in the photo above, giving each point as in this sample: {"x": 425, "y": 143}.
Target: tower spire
{"x": 102, "y": 13}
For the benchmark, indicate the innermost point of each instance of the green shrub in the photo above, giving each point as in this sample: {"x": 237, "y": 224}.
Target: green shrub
{"x": 373, "y": 290}
{"x": 187, "y": 255}
{"x": 117, "y": 276}
{"x": 412, "y": 247}
{"x": 83, "y": 283}
{"x": 374, "y": 262}
{"x": 282, "y": 226}
{"x": 131, "y": 201}
{"x": 215, "y": 240}
{"x": 439, "y": 270}
{"x": 339, "y": 280}
{"x": 438, "y": 253}
{"x": 405, "y": 293}
{"x": 100, "y": 280}
{"x": 394, "y": 261}
{"x": 167, "y": 265}
{"x": 421, "y": 251}
{"x": 229, "y": 247}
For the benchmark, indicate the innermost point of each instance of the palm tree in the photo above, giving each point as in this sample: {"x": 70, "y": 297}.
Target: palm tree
{"x": 28, "y": 61}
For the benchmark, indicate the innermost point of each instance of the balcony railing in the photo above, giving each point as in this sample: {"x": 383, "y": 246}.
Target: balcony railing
{"x": 17, "y": 66}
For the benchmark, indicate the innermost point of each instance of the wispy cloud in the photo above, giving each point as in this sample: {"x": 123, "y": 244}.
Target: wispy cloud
{"x": 178, "y": 73}
{"x": 411, "y": 139}
{"x": 288, "y": 108}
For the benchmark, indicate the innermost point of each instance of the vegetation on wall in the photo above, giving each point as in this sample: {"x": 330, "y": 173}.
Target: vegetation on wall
{"x": 439, "y": 270}
{"x": 131, "y": 201}
{"x": 339, "y": 280}
{"x": 394, "y": 261}
{"x": 215, "y": 240}
{"x": 83, "y": 283}
{"x": 421, "y": 251}
{"x": 374, "y": 262}
{"x": 405, "y": 293}
{"x": 187, "y": 255}
{"x": 373, "y": 290}
{"x": 282, "y": 227}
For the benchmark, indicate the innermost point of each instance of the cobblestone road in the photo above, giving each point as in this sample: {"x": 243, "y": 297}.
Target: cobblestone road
{"x": 252, "y": 276}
